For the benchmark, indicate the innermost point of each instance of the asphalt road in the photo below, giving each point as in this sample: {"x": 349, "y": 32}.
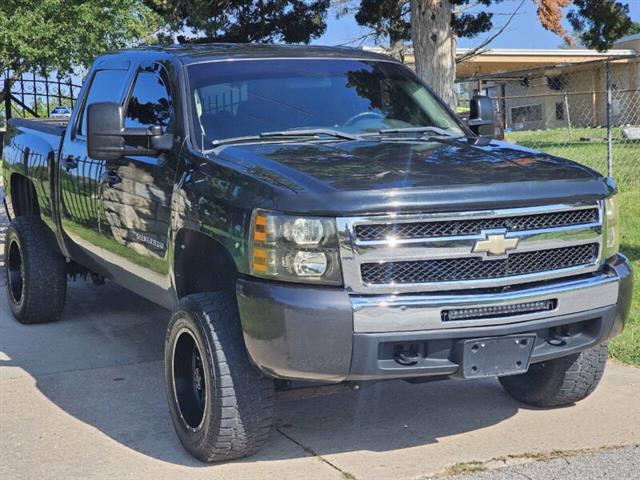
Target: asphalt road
{"x": 84, "y": 399}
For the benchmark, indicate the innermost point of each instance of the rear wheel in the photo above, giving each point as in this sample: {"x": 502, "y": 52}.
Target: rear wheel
{"x": 220, "y": 405}
{"x": 36, "y": 282}
{"x": 561, "y": 381}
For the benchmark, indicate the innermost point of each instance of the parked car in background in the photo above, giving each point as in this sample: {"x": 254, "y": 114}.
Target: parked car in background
{"x": 316, "y": 215}
{"x": 60, "y": 112}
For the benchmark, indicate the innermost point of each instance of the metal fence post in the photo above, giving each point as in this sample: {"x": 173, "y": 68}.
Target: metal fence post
{"x": 7, "y": 99}
{"x": 609, "y": 122}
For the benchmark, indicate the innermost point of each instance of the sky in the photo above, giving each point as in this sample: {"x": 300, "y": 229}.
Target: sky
{"x": 524, "y": 31}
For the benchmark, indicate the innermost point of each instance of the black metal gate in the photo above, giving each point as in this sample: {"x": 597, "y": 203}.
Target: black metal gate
{"x": 31, "y": 95}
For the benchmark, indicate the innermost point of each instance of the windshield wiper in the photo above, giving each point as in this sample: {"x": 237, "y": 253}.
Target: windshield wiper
{"x": 311, "y": 133}
{"x": 431, "y": 129}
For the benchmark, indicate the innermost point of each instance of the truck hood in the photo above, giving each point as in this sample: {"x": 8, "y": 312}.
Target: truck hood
{"x": 373, "y": 176}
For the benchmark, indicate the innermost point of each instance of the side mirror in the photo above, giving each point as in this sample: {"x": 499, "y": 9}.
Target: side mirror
{"x": 482, "y": 116}
{"x": 104, "y": 131}
{"x": 106, "y": 134}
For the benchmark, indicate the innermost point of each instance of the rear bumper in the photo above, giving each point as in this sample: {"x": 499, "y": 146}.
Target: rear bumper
{"x": 324, "y": 334}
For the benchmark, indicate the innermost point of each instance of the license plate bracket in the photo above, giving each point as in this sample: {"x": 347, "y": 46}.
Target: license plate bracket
{"x": 496, "y": 356}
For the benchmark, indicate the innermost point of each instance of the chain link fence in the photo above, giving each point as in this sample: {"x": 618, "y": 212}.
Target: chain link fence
{"x": 587, "y": 112}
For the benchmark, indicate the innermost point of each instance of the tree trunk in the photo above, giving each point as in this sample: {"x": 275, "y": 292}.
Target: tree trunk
{"x": 434, "y": 46}
{"x": 15, "y": 75}
{"x": 396, "y": 48}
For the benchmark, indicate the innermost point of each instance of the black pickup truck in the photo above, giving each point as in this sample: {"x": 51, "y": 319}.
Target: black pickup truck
{"x": 314, "y": 217}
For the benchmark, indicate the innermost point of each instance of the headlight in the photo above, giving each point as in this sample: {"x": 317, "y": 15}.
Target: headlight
{"x": 295, "y": 249}
{"x": 612, "y": 227}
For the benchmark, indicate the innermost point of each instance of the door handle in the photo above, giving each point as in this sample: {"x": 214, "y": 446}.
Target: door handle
{"x": 69, "y": 163}
{"x": 111, "y": 179}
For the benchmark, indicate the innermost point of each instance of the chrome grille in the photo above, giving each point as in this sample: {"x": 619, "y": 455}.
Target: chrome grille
{"x": 474, "y": 268}
{"x": 450, "y": 228}
{"x": 456, "y": 250}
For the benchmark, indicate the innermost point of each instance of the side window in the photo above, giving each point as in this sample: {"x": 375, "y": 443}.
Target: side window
{"x": 150, "y": 102}
{"x": 106, "y": 86}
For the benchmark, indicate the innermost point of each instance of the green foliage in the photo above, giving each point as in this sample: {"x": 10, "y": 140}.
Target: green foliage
{"x": 61, "y": 35}
{"x": 392, "y": 18}
{"x": 579, "y": 41}
{"x": 289, "y": 21}
{"x": 597, "y": 23}
{"x": 634, "y": 29}
{"x": 386, "y": 18}
{"x": 467, "y": 24}
{"x": 40, "y": 107}
{"x": 600, "y": 22}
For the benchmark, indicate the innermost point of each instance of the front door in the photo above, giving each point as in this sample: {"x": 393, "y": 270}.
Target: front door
{"x": 79, "y": 178}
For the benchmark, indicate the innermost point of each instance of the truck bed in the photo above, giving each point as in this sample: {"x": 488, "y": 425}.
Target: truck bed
{"x": 30, "y": 149}
{"x": 51, "y": 126}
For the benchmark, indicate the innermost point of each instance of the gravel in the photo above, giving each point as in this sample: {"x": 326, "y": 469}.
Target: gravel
{"x": 616, "y": 464}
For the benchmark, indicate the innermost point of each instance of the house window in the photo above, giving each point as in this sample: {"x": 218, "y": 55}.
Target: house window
{"x": 559, "y": 110}
{"x": 526, "y": 114}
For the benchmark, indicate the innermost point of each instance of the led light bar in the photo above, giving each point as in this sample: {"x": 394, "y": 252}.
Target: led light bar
{"x": 497, "y": 311}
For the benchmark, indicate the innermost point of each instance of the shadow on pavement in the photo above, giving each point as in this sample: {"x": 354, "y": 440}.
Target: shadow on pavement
{"x": 102, "y": 364}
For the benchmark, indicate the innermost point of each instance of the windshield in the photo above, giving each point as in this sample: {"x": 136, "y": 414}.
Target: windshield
{"x": 246, "y": 98}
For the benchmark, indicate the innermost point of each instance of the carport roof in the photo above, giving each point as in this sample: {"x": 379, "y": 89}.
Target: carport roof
{"x": 503, "y": 60}
{"x": 512, "y": 60}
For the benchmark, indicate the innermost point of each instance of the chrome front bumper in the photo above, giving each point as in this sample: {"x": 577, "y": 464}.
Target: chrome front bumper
{"x": 329, "y": 335}
{"x": 409, "y": 312}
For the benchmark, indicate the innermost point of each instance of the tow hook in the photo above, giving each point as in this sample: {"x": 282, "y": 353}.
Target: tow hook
{"x": 557, "y": 341}
{"x": 558, "y": 337}
{"x": 407, "y": 357}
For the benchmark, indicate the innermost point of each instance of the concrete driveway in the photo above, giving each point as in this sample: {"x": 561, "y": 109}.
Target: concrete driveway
{"x": 84, "y": 398}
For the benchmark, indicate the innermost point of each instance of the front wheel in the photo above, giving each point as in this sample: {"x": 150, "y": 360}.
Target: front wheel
{"x": 561, "y": 381}
{"x": 220, "y": 405}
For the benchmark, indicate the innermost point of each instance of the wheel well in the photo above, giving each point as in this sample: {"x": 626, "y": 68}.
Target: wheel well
{"x": 201, "y": 264}
{"x": 24, "y": 198}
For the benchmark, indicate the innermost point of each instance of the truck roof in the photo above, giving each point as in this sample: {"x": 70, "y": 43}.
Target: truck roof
{"x": 199, "y": 52}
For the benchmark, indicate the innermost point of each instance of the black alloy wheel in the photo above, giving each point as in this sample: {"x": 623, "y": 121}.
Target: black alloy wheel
{"x": 189, "y": 379}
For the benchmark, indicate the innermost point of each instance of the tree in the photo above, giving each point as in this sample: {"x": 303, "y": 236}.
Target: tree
{"x": 392, "y": 20}
{"x": 289, "y": 21}
{"x": 388, "y": 21}
{"x": 578, "y": 41}
{"x": 61, "y": 35}
{"x": 433, "y": 26}
{"x": 599, "y": 22}
{"x": 634, "y": 29}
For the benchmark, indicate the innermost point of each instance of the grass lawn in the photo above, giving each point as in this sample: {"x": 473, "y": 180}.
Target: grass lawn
{"x": 626, "y": 347}
{"x": 626, "y": 155}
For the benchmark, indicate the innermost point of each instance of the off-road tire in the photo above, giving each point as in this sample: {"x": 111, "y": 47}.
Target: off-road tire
{"x": 238, "y": 401}
{"x": 35, "y": 278}
{"x": 559, "y": 382}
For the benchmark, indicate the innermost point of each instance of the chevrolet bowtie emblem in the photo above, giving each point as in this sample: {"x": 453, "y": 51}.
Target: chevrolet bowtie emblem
{"x": 497, "y": 245}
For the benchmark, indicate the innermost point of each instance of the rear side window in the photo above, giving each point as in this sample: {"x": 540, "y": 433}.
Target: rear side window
{"x": 106, "y": 86}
